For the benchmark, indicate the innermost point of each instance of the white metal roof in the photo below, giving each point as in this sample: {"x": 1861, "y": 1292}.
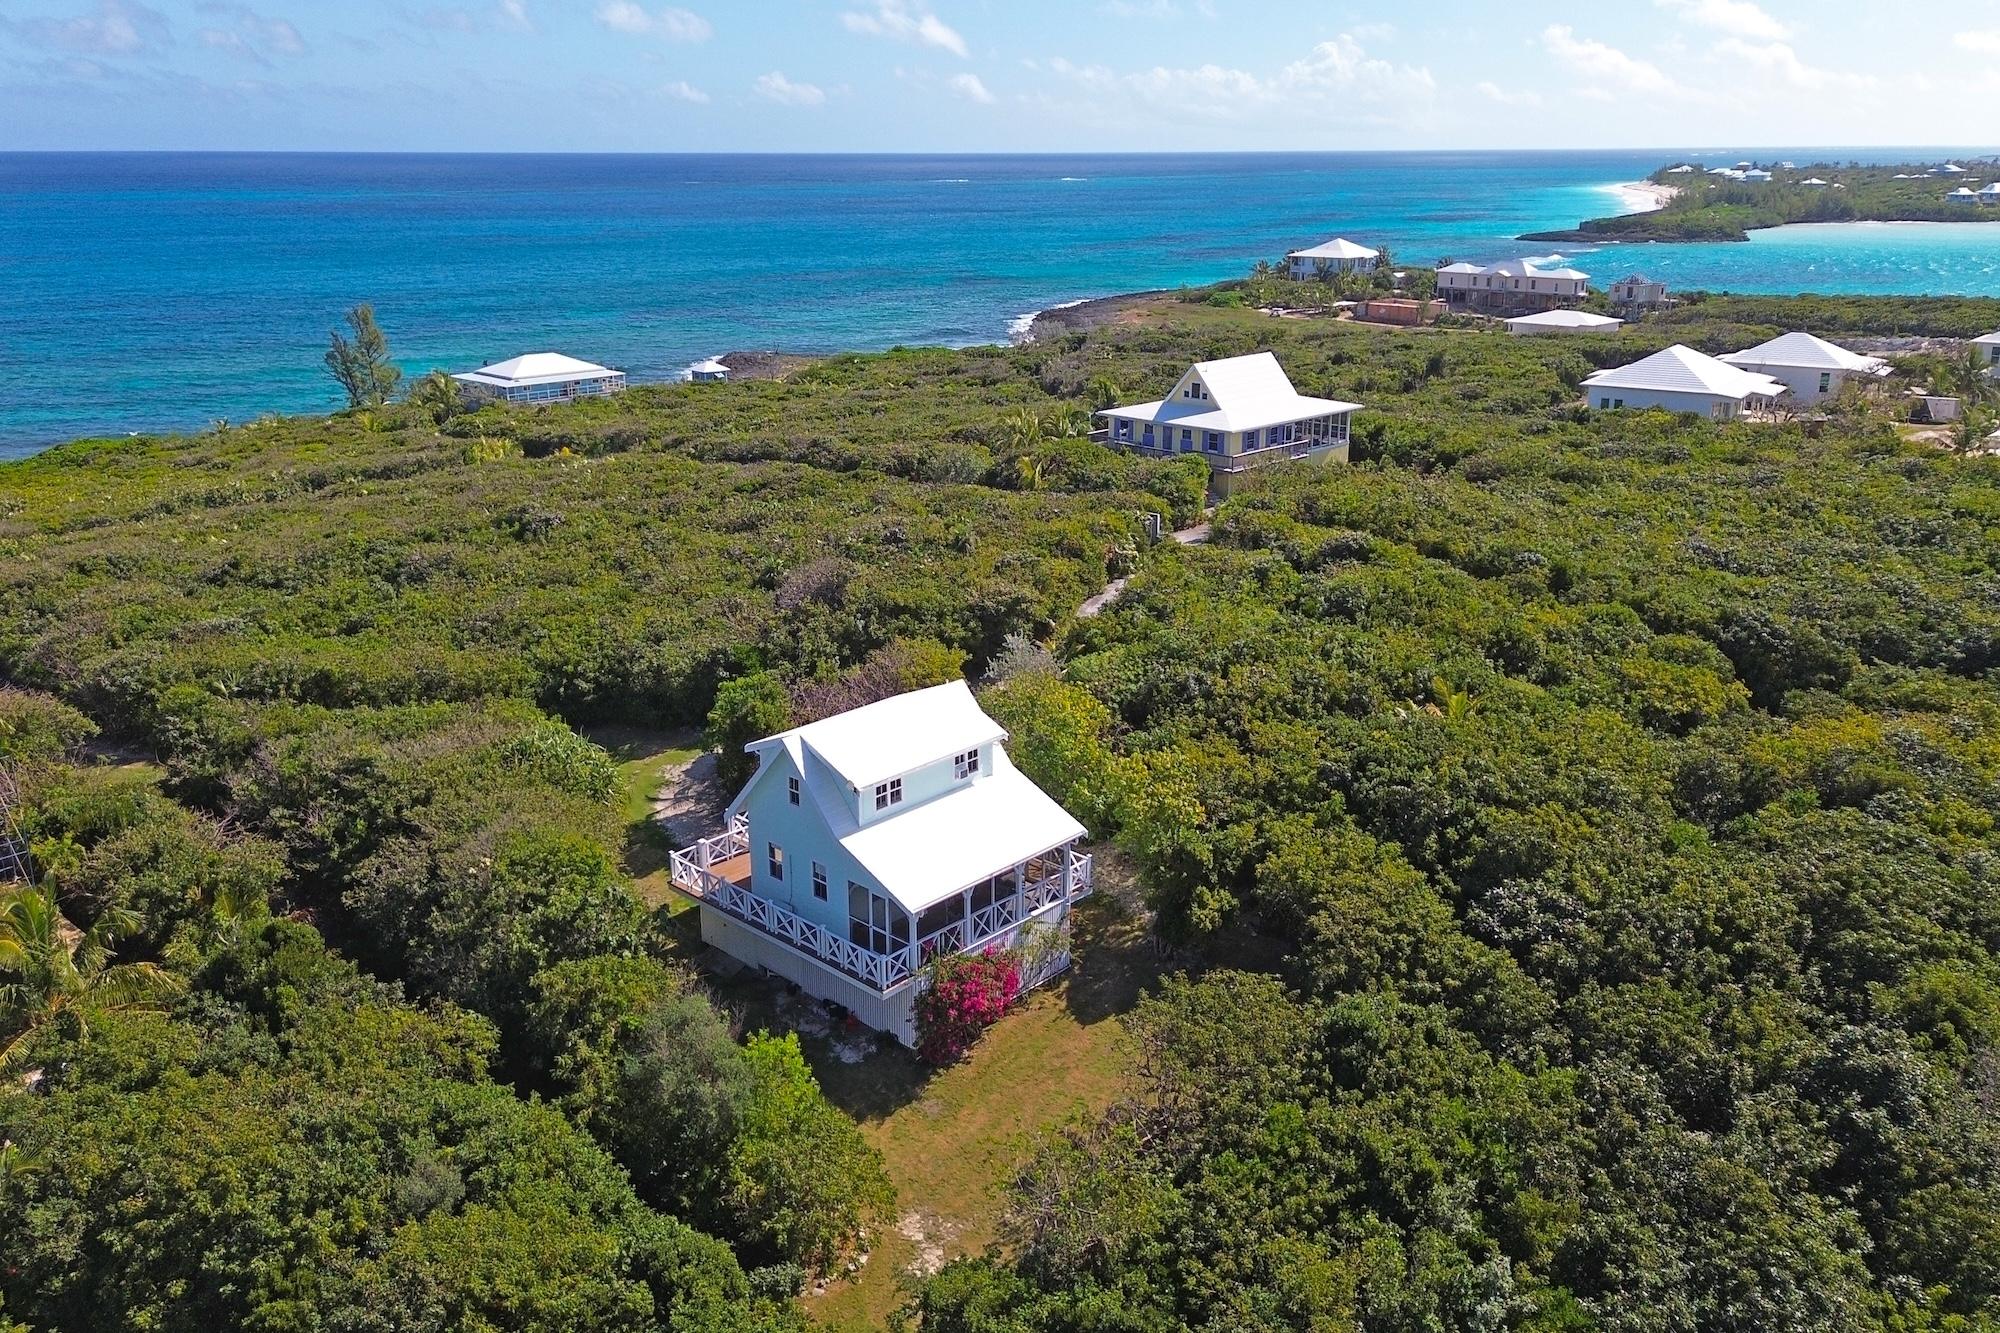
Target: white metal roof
{"x": 1337, "y": 248}
{"x": 1565, "y": 319}
{"x": 891, "y": 737}
{"x": 1681, "y": 369}
{"x": 1244, "y": 393}
{"x": 709, "y": 367}
{"x": 1988, "y": 339}
{"x": 1963, "y": 192}
{"x": 980, "y": 828}
{"x": 1812, "y": 180}
{"x": 1460, "y": 267}
{"x": 1803, "y": 351}
{"x": 535, "y": 368}
{"x": 1516, "y": 268}
{"x": 1994, "y": 188}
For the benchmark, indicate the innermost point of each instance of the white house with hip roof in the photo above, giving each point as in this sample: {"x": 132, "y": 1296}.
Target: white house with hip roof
{"x": 1989, "y": 348}
{"x": 1338, "y": 255}
{"x": 1511, "y": 287}
{"x": 1681, "y": 379}
{"x": 1812, "y": 368}
{"x": 871, "y": 841}
{"x": 540, "y": 377}
{"x": 1239, "y": 414}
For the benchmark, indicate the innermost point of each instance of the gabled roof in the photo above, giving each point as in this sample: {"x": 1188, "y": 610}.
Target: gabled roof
{"x": 891, "y": 737}
{"x": 922, "y": 853}
{"x": 535, "y": 368}
{"x": 1244, "y": 393}
{"x": 978, "y": 829}
{"x": 1566, "y": 319}
{"x": 1681, "y": 369}
{"x": 1337, "y": 248}
{"x": 1805, "y": 352}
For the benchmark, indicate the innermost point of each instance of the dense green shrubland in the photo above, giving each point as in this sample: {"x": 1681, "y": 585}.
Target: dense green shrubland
{"x": 1619, "y": 792}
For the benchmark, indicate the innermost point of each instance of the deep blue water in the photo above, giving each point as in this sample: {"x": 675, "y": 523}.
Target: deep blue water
{"x": 162, "y": 291}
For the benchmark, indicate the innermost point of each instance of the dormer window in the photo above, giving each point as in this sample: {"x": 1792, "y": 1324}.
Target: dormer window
{"x": 888, "y": 793}
{"x": 965, "y": 765}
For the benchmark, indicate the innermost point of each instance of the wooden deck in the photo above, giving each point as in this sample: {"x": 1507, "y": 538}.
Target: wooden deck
{"x": 735, "y": 869}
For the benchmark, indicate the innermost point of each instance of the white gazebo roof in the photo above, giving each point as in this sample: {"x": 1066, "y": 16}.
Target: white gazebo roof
{"x": 1244, "y": 393}
{"x": 711, "y": 366}
{"x": 1681, "y": 369}
{"x": 1802, "y": 351}
{"x": 1565, "y": 319}
{"x": 535, "y": 368}
{"x": 1337, "y": 248}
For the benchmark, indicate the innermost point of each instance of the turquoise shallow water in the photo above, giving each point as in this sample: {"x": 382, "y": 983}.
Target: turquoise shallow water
{"x": 162, "y": 291}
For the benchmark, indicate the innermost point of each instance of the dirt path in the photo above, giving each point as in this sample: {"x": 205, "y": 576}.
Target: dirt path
{"x": 1095, "y": 604}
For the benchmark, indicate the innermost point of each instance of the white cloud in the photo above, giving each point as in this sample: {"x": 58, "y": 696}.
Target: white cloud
{"x": 905, "y": 22}
{"x": 683, "y": 91}
{"x": 1493, "y": 92}
{"x": 1606, "y": 67}
{"x": 1778, "y": 60}
{"x": 777, "y": 88}
{"x": 676, "y": 25}
{"x": 1335, "y": 75}
{"x": 252, "y": 35}
{"x": 117, "y": 28}
{"x": 1983, "y": 41}
{"x": 971, "y": 87}
{"x": 1739, "y": 18}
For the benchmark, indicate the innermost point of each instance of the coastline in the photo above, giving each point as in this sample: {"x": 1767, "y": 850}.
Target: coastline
{"x": 1642, "y": 196}
{"x": 1080, "y": 316}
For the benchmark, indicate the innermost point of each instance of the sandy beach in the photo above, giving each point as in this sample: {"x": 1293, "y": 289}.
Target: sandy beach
{"x": 1641, "y": 196}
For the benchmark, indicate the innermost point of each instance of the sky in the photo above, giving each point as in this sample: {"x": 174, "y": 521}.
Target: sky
{"x": 994, "y": 75}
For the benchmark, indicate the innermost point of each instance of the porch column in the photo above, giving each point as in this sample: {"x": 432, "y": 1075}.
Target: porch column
{"x": 1020, "y": 892}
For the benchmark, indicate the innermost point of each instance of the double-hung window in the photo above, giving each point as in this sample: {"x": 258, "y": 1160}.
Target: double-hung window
{"x": 792, "y": 790}
{"x": 819, "y": 881}
{"x": 774, "y": 860}
{"x": 965, "y": 765}
{"x": 888, "y": 793}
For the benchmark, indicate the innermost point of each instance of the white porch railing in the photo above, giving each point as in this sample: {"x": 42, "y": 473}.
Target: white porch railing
{"x": 691, "y": 874}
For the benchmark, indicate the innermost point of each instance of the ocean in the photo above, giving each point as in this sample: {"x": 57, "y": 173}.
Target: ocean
{"x": 163, "y": 291}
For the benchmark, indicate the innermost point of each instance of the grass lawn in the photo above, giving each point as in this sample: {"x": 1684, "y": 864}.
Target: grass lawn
{"x": 954, "y": 1138}
{"x": 644, "y": 755}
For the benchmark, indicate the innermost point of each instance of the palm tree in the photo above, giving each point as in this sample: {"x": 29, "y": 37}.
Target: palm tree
{"x": 1029, "y": 471}
{"x": 52, "y": 972}
{"x": 1070, "y": 423}
{"x": 1021, "y": 429}
{"x": 436, "y": 396}
{"x": 1103, "y": 392}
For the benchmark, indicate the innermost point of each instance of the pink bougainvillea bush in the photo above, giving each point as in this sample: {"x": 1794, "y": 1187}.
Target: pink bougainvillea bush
{"x": 966, "y": 994}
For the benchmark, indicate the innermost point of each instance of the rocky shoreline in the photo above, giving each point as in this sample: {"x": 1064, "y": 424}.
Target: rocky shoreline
{"x": 1086, "y": 315}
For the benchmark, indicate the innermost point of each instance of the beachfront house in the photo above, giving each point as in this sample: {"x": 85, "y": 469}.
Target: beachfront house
{"x": 1988, "y": 346}
{"x": 1514, "y": 287}
{"x": 1812, "y": 368}
{"x": 1633, "y": 292}
{"x": 1336, "y": 256}
{"x": 1962, "y": 195}
{"x": 1562, "y": 321}
{"x": 708, "y": 372}
{"x": 1681, "y": 379}
{"x": 1756, "y": 175}
{"x": 1991, "y": 194}
{"x": 540, "y": 377}
{"x": 870, "y": 842}
{"x": 1239, "y": 414}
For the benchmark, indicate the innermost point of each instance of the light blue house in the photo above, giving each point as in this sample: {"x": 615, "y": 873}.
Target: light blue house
{"x": 1239, "y": 413}
{"x": 869, "y": 842}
